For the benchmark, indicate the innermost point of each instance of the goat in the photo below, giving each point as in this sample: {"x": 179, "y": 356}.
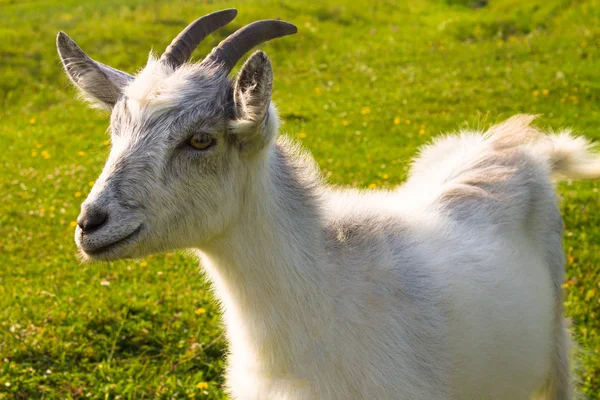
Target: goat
{"x": 448, "y": 287}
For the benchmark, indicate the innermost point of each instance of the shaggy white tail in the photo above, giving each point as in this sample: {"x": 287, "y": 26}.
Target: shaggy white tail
{"x": 569, "y": 156}
{"x": 573, "y": 157}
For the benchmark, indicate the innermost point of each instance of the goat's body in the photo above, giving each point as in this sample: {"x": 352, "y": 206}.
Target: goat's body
{"x": 467, "y": 310}
{"x": 448, "y": 288}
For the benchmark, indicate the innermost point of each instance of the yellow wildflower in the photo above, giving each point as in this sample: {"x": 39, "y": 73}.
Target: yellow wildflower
{"x": 365, "y": 110}
{"x": 372, "y": 186}
{"x": 202, "y": 385}
{"x": 545, "y": 92}
{"x": 77, "y": 194}
{"x": 32, "y": 121}
{"x": 143, "y": 264}
{"x": 590, "y": 294}
{"x": 345, "y": 123}
{"x": 396, "y": 120}
{"x": 73, "y": 224}
{"x": 302, "y": 135}
{"x": 200, "y": 311}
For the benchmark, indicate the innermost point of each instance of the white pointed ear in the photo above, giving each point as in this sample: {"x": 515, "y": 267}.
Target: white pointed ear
{"x": 256, "y": 119}
{"x": 98, "y": 83}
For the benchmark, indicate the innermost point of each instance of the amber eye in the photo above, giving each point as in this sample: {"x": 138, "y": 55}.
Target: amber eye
{"x": 201, "y": 141}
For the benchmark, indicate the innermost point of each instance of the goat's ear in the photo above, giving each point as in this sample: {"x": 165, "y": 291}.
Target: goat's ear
{"x": 254, "y": 125}
{"x": 98, "y": 83}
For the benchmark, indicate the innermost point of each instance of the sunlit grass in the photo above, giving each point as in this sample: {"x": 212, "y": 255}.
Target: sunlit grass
{"x": 361, "y": 85}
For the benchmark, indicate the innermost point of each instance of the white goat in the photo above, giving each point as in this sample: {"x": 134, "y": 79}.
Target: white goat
{"x": 446, "y": 288}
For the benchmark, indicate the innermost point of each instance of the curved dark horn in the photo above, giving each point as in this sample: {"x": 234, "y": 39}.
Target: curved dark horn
{"x": 230, "y": 50}
{"x": 181, "y": 48}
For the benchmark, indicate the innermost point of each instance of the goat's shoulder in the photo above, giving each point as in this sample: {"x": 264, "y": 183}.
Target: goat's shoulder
{"x": 373, "y": 232}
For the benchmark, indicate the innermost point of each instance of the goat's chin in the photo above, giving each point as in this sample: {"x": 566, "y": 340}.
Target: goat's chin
{"x": 103, "y": 247}
{"x": 135, "y": 251}
{"x": 113, "y": 254}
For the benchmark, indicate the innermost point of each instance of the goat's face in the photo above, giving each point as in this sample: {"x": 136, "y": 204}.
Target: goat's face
{"x": 183, "y": 139}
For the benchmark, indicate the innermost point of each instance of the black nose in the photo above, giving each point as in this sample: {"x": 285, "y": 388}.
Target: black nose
{"x": 91, "y": 219}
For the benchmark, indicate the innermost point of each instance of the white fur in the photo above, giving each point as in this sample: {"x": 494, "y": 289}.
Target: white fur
{"x": 398, "y": 295}
{"x": 447, "y": 288}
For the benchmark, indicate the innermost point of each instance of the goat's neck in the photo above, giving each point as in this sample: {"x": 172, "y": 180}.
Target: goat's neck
{"x": 268, "y": 270}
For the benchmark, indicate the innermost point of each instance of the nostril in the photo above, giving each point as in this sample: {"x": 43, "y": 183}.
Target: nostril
{"x": 91, "y": 219}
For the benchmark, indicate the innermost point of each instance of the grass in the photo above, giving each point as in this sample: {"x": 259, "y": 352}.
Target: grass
{"x": 362, "y": 86}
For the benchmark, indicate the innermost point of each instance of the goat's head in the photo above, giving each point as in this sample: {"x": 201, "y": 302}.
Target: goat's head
{"x": 183, "y": 136}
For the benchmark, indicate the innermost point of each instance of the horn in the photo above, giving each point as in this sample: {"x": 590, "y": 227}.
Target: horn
{"x": 181, "y": 48}
{"x": 231, "y": 49}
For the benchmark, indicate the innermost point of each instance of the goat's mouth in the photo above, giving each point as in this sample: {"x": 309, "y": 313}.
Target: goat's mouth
{"x": 106, "y": 249}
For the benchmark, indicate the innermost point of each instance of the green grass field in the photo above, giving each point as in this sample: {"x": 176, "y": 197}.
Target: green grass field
{"x": 362, "y": 85}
